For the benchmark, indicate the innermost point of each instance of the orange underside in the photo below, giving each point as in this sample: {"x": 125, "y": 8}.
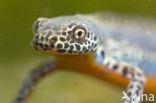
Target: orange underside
{"x": 84, "y": 64}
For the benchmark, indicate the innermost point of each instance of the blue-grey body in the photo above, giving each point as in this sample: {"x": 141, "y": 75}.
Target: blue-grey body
{"x": 128, "y": 42}
{"x": 129, "y": 39}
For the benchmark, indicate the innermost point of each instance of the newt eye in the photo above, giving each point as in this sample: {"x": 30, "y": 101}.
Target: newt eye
{"x": 79, "y": 33}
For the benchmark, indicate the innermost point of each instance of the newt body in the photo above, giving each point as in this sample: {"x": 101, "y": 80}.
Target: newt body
{"x": 97, "y": 45}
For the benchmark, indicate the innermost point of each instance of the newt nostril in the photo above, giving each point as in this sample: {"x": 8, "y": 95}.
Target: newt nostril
{"x": 35, "y": 27}
{"x": 37, "y": 24}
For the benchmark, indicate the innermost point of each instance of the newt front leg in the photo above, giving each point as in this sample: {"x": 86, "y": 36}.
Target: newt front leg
{"x": 135, "y": 74}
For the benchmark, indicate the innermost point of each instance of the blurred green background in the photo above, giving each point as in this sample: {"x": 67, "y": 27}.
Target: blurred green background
{"x": 17, "y": 58}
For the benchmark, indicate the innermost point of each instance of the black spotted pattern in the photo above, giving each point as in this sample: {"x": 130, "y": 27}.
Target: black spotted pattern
{"x": 71, "y": 47}
{"x": 66, "y": 45}
{"x": 41, "y": 45}
{"x": 59, "y": 45}
{"x": 52, "y": 45}
{"x": 61, "y": 50}
{"x": 42, "y": 38}
{"x": 64, "y": 33}
{"x": 102, "y": 53}
{"x": 70, "y": 51}
{"x": 78, "y": 47}
{"x": 88, "y": 36}
{"x": 53, "y": 40}
{"x": 46, "y": 45}
{"x": 125, "y": 71}
{"x": 115, "y": 67}
{"x": 62, "y": 39}
{"x": 68, "y": 38}
{"x": 48, "y": 34}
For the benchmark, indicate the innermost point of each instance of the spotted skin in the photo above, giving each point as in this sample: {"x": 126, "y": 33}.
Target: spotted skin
{"x": 135, "y": 74}
{"x": 74, "y": 35}
{"x": 71, "y": 38}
